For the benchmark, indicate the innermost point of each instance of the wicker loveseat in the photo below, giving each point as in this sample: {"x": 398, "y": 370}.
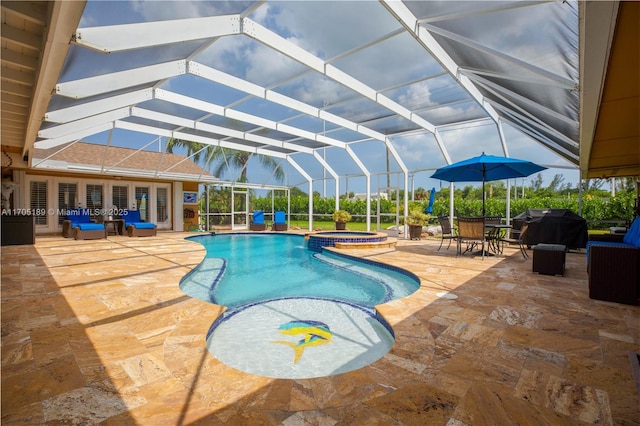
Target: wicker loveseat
{"x": 613, "y": 263}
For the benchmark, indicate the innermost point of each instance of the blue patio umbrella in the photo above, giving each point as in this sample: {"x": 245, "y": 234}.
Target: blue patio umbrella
{"x": 432, "y": 199}
{"x": 486, "y": 168}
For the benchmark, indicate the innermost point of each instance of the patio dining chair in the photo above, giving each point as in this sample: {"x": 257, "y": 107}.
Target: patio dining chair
{"x": 518, "y": 239}
{"x": 471, "y": 233}
{"x": 448, "y": 231}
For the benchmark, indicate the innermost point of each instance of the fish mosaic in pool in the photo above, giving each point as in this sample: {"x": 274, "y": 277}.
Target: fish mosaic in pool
{"x": 284, "y": 296}
{"x": 315, "y": 333}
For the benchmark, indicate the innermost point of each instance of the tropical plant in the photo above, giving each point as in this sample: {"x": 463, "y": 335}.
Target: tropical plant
{"x": 418, "y": 218}
{"x": 222, "y": 160}
{"x": 341, "y": 216}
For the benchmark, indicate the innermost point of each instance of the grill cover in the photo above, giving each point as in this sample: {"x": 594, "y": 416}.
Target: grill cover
{"x": 553, "y": 226}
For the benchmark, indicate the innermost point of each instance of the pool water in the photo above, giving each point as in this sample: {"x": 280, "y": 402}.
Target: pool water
{"x": 240, "y": 269}
{"x": 293, "y": 312}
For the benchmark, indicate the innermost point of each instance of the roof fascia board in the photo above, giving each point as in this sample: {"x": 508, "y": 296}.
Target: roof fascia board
{"x": 117, "y": 38}
{"x": 597, "y": 26}
{"x": 63, "y": 20}
{"x": 410, "y": 22}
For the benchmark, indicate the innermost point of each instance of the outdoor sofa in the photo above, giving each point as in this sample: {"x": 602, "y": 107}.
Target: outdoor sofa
{"x": 613, "y": 264}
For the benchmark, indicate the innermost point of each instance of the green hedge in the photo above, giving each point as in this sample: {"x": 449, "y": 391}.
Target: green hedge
{"x": 619, "y": 207}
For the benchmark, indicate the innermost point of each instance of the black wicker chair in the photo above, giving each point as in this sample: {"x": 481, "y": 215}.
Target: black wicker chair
{"x": 448, "y": 231}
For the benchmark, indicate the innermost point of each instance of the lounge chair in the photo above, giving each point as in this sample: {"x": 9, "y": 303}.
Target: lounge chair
{"x": 77, "y": 217}
{"x": 136, "y": 227}
{"x": 279, "y": 221}
{"x": 257, "y": 223}
{"x": 89, "y": 231}
{"x": 79, "y": 226}
{"x": 448, "y": 231}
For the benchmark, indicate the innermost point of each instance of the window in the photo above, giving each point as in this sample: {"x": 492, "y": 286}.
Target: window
{"x": 142, "y": 199}
{"x": 94, "y": 200}
{"x": 120, "y": 197}
{"x": 67, "y": 199}
{"x": 38, "y": 196}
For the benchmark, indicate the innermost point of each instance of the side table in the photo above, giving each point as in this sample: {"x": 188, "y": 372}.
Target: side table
{"x": 549, "y": 259}
{"x": 115, "y": 226}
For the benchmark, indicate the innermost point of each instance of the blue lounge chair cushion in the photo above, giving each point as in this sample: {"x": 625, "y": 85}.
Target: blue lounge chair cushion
{"x": 142, "y": 225}
{"x": 632, "y": 237}
{"x": 258, "y": 217}
{"x": 78, "y": 216}
{"x": 90, "y": 226}
{"x": 132, "y": 218}
{"x": 279, "y": 218}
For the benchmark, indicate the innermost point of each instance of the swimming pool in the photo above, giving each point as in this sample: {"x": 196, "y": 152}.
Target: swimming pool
{"x": 293, "y": 312}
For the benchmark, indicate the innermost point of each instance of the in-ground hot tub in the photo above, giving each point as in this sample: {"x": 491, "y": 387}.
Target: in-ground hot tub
{"x": 317, "y": 240}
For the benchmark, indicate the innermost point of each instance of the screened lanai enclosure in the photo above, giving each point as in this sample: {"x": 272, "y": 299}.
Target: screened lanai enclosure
{"x": 363, "y": 96}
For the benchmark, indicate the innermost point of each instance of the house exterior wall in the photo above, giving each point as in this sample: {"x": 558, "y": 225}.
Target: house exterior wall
{"x": 160, "y": 202}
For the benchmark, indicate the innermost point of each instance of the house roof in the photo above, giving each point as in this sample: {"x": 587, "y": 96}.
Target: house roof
{"x": 91, "y": 158}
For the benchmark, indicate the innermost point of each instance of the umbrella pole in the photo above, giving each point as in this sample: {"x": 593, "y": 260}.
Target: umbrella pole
{"x": 484, "y": 172}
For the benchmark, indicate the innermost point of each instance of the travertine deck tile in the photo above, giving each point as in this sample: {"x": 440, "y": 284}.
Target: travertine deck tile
{"x": 99, "y": 332}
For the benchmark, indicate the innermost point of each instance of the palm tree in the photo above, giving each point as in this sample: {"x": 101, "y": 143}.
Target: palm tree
{"x": 208, "y": 155}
